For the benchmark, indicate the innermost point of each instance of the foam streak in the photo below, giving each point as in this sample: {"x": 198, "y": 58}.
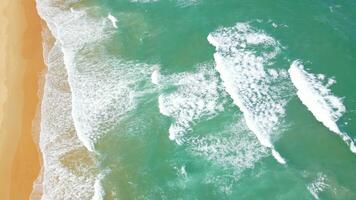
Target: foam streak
{"x": 241, "y": 65}
{"x": 319, "y": 100}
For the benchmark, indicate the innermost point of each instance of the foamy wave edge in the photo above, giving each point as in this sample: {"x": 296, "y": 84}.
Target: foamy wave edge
{"x": 232, "y": 58}
{"x": 102, "y": 87}
{"x": 197, "y": 96}
{"x": 69, "y": 170}
{"x": 318, "y": 98}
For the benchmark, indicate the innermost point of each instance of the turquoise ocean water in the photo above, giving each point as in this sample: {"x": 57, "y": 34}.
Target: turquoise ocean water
{"x": 199, "y": 99}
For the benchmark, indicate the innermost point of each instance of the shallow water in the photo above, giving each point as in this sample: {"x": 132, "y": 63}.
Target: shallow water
{"x": 192, "y": 99}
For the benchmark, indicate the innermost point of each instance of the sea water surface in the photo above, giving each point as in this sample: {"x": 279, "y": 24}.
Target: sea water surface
{"x": 199, "y": 99}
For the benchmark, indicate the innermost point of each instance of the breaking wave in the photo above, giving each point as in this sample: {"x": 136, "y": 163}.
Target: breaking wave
{"x": 319, "y": 100}
{"x": 103, "y": 87}
{"x": 197, "y": 96}
{"x": 69, "y": 170}
{"x": 87, "y": 92}
{"x": 244, "y": 56}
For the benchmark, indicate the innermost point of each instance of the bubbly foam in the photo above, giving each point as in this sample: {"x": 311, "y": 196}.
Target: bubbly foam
{"x": 242, "y": 54}
{"x": 87, "y": 93}
{"x": 104, "y": 88}
{"x": 319, "y": 100}
{"x": 113, "y": 20}
{"x": 197, "y": 96}
{"x": 181, "y": 3}
{"x": 186, "y": 3}
{"x": 143, "y": 1}
{"x": 233, "y": 149}
{"x": 99, "y": 191}
{"x": 238, "y": 149}
{"x": 278, "y": 156}
{"x": 68, "y": 168}
{"x": 318, "y": 185}
{"x": 155, "y": 75}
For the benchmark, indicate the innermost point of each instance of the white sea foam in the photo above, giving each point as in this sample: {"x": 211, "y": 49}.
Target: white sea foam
{"x": 238, "y": 149}
{"x": 143, "y": 1}
{"x": 319, "y": 100}
{"x": 186, "y": 3}
{"x": 181, "y": 3}
{"x": 68, "y": 168}
{"x": 318, "y": 185}
{"x": 233, "y": 148}
{"x": 103, "y": 87}
{"x": 113, "y": 20}
{"x": 155, "y": 75}
{"x": 197, "y": 96}
{"x": 87, "y": 92}
{"x": 99, "y": 191}
{"x": 96, "y": 113}
{"x": 278, "y": 156}
{"x": 242, "y": 55}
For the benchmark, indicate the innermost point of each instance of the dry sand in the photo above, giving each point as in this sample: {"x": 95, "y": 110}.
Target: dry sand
{"x": 21, "y": 65}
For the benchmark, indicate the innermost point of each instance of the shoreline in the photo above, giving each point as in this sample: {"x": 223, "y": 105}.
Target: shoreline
{"x": 20, "y": 77}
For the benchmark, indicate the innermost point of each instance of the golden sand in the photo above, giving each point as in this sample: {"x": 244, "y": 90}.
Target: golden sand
{"x": 21, "y": 63}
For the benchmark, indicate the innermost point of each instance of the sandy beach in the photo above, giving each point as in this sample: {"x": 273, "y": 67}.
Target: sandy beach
{"x": 21, "y": 65}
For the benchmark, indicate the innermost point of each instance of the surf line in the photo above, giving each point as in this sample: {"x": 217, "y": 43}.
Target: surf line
{"x": 261, "y": 135}
{"x": 247, "y": 81}
{"x": 113, "y": 20}
{"x": 325, "y": 107}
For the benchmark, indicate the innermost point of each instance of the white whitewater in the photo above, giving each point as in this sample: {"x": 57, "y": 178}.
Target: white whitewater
{"x": 87, "y": 92}
{"x": 233, "y": 147}
{"x": 69, "y": 170}
{"x": 192, "y": 97}
{"x": 103, "y": 87}
{"x": 197, "y": 96}
{"x": 113, "y": 20}
{"x": 155, "y": 77}
{"x": 243, "y": 55}
{"x": 181, "y": 3}
{"x": 319, "y": 100}
{"x": 318, "y": 185}
{"x": 99, "y": 191}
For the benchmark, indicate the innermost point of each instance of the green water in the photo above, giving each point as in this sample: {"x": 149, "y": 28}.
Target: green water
{"x": 141, "y": 161}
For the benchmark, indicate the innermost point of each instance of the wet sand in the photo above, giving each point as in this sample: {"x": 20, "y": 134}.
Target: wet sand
{"x": 21, "y": 64}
